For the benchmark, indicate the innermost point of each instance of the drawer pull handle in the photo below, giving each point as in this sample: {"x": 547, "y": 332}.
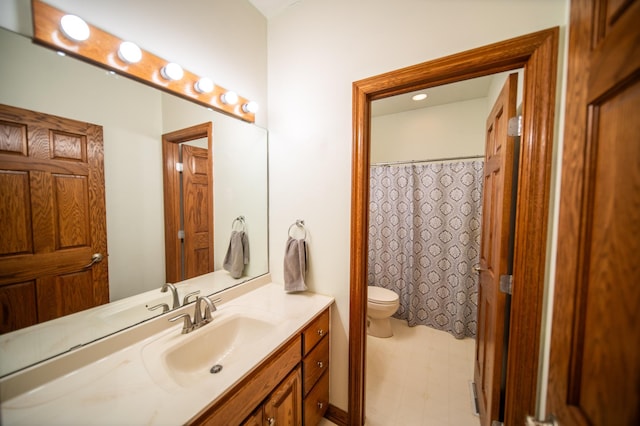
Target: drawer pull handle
{"x": 320, "y": 332}
{"x": 320, "y": 364}
{"x": 271, "y": 421}
{"x": 320, "y": 405}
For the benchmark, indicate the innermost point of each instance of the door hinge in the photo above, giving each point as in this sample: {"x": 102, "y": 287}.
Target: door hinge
{"x": 514, "y": 128}
{"x": 179, "y": 167}
{"x": 506, "y": 284}
{"x": 181, "y": 234}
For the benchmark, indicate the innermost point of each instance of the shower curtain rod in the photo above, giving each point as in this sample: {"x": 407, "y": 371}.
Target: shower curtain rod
{"x": 428, "y": 161}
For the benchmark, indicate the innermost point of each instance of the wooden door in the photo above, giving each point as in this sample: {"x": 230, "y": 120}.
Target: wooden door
{"x": 494, "y": 253}
{"x": 192, "y": 254}
{"x": 196, "y": 199}
{"x": 52, "y": 217}
{"x": 284, "y": 406}
{"x": 594, "y": 373}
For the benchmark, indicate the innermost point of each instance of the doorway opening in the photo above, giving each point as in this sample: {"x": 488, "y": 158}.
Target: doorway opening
{"x": 537, "y": 54}
{"x": 188, "y": 202}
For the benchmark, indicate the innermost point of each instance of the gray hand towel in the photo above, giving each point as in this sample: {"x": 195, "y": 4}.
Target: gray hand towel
{"x": 295, "y": 265}
{"x": 237, "y": 254}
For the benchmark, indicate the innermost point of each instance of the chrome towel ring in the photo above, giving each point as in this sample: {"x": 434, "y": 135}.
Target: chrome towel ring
{"x": 299, "y": 224}
{"x": 241, "y": 221}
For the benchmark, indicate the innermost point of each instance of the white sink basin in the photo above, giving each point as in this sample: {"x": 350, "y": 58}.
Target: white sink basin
{"x": 187, "y": 359}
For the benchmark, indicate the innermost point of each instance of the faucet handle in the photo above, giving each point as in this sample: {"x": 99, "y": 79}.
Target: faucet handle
{"x": 187, "y": 326}
{"x": 186, "y": 297}
{"x": 164, "y": 306}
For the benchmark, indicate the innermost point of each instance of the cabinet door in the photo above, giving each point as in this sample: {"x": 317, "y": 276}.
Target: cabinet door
{"x": 284, "y": 406}
{"x": 255, "y": 419}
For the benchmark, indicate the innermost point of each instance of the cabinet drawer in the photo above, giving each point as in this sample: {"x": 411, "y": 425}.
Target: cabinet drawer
{"x": 315, "y": 364}
{"x": 315, "y": 331}
{"x": 316, "y": 403}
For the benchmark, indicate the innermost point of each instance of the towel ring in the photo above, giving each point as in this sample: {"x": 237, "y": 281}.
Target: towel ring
{"x": 242, "y": 222}
{"x": 300, "y": 224}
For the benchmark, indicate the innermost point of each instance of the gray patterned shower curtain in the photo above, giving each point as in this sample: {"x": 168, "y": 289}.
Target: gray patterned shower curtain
{"x": 424, "y": 239}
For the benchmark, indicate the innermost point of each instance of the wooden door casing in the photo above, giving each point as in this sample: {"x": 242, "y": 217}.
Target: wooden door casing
{"x": 594, "y": 373}
{"x": 494, "y": 252}
{"x": 53, "y": 216}
{"x": 172, "y": 200}
{"x": 537, "y": 53}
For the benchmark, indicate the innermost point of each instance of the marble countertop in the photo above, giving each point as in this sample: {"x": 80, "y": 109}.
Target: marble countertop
{"x": 120, "y": 389}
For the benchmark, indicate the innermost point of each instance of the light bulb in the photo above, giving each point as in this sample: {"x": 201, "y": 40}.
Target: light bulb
{"x": 74, "y": 28}
{"x": 129, "y": 52}
{"x": 419, "y": 97}
{"x": 250, "y": 107}
{"x": 172, "y": 71}
{"x": 229, "y": 98}
{"x": 204, "y": 85}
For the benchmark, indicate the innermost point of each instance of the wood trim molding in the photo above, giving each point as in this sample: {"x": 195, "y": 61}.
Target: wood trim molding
{"x": 337, "y": 415}
{"x": 171, "y": 182}
{"x": 101, "y": 50}
{"x": 537, "y": 53}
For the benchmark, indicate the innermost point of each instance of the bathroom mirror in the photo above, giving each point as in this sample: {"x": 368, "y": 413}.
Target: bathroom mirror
{"x": 134, "y": 117}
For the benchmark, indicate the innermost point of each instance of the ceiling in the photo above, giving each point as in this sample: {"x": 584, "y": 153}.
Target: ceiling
{"x": 271, "y": 8}
{"x": 440, "y": 95}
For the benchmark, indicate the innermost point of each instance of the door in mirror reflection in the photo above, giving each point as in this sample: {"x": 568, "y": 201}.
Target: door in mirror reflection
{"x": 52, "y": 218}
{"x": 188, "y": 197}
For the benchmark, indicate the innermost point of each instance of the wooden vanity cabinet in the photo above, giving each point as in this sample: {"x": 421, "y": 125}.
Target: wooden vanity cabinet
{"x": 315, "y": 369}
{"x": 290, "y": 388}
{"x": 283, "y": 407}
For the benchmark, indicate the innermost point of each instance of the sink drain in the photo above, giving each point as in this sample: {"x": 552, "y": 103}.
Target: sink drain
{"x": 215, "y": 369}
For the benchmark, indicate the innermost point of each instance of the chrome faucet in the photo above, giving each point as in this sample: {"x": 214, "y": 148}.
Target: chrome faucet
{"x": 202, "y": 318}
{"x": 174, "y": 294}
{"x": 199, "y": 318}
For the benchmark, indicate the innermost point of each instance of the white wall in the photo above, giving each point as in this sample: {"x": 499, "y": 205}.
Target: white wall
{"x": 316, "y": 50}
{"x": 444, "y": 131}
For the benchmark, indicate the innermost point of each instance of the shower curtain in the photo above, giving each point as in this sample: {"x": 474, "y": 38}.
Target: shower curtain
{"x": 424, "y": 239}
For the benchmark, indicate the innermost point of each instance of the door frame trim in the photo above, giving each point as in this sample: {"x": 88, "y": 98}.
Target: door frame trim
{"x": 537, "y": 54}
{"x": 171, "y": 181}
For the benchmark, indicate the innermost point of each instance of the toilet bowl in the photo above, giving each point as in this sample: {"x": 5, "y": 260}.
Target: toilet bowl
{"x": 381, "y": 304}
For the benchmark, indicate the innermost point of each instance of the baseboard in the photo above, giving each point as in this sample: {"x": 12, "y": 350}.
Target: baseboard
{"x": 337, "y": 415}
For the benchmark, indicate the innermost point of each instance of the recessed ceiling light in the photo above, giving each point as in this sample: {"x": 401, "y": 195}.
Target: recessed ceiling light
{"x": 419, "y": 97}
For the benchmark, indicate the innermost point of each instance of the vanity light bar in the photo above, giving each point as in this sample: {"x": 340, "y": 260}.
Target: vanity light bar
{"x": 103, "y": 49}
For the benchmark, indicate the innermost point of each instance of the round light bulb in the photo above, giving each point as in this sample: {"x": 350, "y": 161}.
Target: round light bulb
{"x": 419, "y": 97}
{"x": 250, "y": 107}
{"x": 129, "y": 52}
{"x": 74, "y": 28}
{"x": 204, "y": 85}
{"x": 172, "y": 71}
{"x": 229, "y": 98}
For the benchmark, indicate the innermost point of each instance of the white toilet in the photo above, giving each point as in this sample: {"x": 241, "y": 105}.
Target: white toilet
{"x": 381, "y": 304}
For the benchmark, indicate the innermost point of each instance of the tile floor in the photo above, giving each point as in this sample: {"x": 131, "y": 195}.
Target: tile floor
{"x": 419, "y": 377}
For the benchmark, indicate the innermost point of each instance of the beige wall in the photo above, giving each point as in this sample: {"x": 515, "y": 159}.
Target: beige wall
{"x": 443, "y": 131}
{"x": 316, "y": 50}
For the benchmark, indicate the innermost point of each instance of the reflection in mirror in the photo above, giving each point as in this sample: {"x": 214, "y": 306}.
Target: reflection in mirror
{"x": 133, "y": 118}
